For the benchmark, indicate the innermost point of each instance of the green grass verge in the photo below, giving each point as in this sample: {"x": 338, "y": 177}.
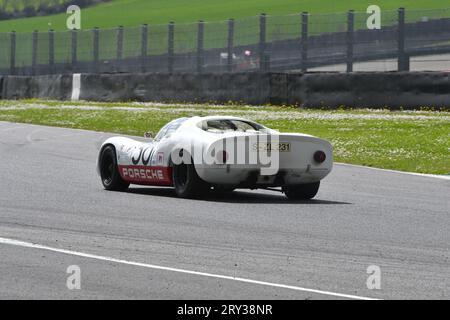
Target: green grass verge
{"x": 409, "y": 141}
{"x": 134, "y": 12}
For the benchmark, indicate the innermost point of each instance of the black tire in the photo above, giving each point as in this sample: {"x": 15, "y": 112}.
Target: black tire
{"x": 109, "y": 171}
{"x": 302, "y": 192}
{"x": 187, "y": 183}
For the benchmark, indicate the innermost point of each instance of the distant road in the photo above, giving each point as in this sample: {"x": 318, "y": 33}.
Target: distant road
{"x": 424, "y": 63}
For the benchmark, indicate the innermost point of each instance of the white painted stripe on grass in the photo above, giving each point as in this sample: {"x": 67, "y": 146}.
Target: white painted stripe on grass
{"x": 18, "y": 243}
{"x": 443, "y": 177}
{"x": 76, "y": 87}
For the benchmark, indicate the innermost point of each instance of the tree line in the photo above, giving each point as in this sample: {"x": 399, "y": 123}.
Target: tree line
{"x": 13, "y": 9}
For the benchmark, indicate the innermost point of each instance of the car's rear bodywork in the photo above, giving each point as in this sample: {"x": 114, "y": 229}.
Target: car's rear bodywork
{"x": 294, "y": 165}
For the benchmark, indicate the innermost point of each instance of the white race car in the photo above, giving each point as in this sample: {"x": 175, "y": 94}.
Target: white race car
{"x": 201, "y": 154}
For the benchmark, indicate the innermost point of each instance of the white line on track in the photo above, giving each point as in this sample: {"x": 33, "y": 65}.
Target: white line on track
{"x": 18, "y": 243}
{"x": 443, "y": 177}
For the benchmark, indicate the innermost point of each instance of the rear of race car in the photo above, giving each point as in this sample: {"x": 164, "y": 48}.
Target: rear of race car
{"x": 263, "y": 161}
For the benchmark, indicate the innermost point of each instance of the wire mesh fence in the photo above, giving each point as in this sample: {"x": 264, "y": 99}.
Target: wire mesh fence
{"x": 344, "y": 42}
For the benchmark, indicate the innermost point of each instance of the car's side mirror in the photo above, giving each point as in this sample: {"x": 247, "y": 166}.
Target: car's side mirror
{"x": 148, "y": 135}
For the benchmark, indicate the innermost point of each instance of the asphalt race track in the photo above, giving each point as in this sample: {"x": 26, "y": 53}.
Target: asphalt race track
{"x": 148, "y": 244}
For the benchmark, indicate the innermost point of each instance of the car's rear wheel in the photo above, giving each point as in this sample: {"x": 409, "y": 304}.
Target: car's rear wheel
{"x": 302, "y": 192}
{"x": 109, "y": 171}
{"x": 186, "y": 181}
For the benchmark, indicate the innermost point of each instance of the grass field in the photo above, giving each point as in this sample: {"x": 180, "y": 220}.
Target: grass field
{"x": 135, "y": 12}
{"x": 416, "y": 141}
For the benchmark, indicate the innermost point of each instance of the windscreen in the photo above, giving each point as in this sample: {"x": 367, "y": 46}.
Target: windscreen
{"x": 228, "y": 125}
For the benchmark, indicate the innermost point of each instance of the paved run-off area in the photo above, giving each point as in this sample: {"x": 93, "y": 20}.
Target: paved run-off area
{"x": 414, "y": 141}
{"x": 50, "y": 195}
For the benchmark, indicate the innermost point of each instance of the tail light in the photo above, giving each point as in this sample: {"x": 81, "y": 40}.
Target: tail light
{"x": 320, "y": 157}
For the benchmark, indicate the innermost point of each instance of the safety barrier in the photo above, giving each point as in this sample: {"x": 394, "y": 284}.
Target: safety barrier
{"x": 395, "y": 90}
